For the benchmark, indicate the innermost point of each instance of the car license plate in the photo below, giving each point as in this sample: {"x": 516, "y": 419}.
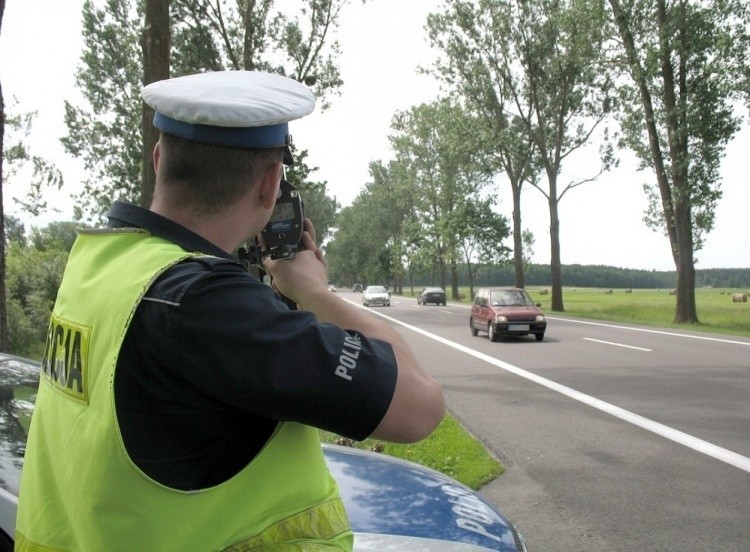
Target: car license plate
{"x": 518, "y": 328}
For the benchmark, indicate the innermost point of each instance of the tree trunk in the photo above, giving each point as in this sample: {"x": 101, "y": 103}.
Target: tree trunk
{"x": 454, "y": 280}
{"x": 685, "y": 310}
{"x": 155, "y": 45}
{"x": 517, "y": 235}
{"x": 555, "y": 262}
{"x": 675, "y": 202}
{"x": 472, "y": 275}
{"x": 442, "y": 268}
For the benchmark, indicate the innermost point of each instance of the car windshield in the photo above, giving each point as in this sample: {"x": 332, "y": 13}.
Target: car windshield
{"x": 433, "y": 290}
{"x": 376, "y": 289}
{"x": 510, "y": 298}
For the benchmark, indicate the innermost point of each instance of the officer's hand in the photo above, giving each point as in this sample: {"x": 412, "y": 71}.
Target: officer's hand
{"x": 304, "y": 274}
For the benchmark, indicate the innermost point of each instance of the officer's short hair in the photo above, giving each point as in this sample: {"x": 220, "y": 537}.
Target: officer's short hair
{"x": 209, "y": 178}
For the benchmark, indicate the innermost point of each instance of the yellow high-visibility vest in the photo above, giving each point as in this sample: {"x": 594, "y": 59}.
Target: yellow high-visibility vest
{"x": 80, "y": 491}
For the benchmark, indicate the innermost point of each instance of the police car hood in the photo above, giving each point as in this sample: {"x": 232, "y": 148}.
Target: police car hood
{"x": 398, "y": 505}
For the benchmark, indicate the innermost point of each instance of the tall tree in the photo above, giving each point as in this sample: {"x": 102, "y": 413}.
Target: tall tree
{"x": 358, "y": 252}
{"x": 443, "y": 148}
{"x": 393, "y": 197}
{"x": 687, "y": 67}
{"x": 375, "y": 236}
{"x": 473, "y": 67}
{"x": 558, "y": 45}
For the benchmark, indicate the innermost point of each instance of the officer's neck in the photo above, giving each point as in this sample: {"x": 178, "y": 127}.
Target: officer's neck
{"x": 227, "y": 229}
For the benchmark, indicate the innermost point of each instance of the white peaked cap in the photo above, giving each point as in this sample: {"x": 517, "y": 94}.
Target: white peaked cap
{"x": 245, "y": 109}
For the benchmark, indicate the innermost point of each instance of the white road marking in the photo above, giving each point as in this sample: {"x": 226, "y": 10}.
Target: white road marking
{"x": 445, "y": 311}
{"x": 660, "y": 332}
{"x": 616, "y": 344}
{"x": 699, "y": 445}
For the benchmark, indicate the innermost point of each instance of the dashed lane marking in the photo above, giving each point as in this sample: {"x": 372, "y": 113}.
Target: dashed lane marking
{"x": 616, "y": 344}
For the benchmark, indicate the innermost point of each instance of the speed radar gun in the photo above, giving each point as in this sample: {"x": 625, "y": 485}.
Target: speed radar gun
{"x": 282, "y": 235}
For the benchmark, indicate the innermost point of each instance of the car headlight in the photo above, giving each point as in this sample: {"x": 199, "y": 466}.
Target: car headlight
{"x": 501, "y": 318}
{"x": 540, "y": 318}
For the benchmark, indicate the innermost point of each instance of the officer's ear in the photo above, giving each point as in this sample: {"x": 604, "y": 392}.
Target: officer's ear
{"x": 156, "y": 155}
{"x": 270, "y": 182}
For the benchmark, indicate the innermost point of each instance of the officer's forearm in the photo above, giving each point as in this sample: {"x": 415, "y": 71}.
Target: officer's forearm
{"x": 418, "y": 404}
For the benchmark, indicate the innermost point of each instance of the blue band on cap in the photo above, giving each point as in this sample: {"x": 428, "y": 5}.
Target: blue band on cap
{"x": 273, "y": 136}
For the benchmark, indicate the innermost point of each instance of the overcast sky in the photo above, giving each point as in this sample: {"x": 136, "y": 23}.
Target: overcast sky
{"x": 383, "y": 42}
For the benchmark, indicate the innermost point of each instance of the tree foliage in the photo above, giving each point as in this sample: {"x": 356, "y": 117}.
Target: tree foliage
{"x": 427, "y": 208}
{"x": 22, "y": 162}
{"x": 359, "y": 247}
{"x": 603, "y": 277}
{"x": 374, "y": 236}
{"x": 105, "y": 130}
{"x": 4, "y": 335}
{"x": 35, "y": 266}
{"x": 483, "y": 234}
{"x": 106, "y": 133}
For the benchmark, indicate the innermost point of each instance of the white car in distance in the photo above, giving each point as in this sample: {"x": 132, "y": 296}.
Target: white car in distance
{"x": 376, "y": 296}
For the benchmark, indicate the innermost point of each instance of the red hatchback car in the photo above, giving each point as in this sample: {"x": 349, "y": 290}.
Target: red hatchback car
{"x": 506, "y": 311}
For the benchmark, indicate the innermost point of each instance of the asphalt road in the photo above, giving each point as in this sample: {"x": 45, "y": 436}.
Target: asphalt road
{"x": 615, "y": 437}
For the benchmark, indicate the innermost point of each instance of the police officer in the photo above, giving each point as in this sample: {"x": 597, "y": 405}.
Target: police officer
{"x": 179, "y": 397}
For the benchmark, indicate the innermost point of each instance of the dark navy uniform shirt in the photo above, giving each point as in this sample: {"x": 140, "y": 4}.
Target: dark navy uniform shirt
{"x": 213, "y": 361}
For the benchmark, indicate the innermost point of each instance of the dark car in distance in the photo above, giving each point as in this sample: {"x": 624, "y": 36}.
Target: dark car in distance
{"x": 357, "y": 288}
{"x": 506, "y": 311}
{"x": 431, "y": 295}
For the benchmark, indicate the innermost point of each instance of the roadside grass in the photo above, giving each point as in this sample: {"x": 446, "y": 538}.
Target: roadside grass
{"x": 451, "y": 449}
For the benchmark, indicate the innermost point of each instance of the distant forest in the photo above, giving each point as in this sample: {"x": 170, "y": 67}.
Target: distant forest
{"x": 598, "y": 277}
